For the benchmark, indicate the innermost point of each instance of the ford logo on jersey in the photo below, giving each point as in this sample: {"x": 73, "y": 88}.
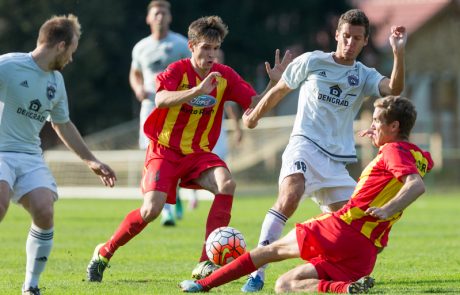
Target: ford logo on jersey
{"x": 203, "y": 101}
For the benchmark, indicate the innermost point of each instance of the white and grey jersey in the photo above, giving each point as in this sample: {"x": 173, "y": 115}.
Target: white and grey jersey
{"x": 28, "y": 97}
{"x": 330, "y": 96}
{"x": 152, "y": 56}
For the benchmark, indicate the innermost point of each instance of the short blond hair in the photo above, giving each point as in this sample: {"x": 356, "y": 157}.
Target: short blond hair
{"x": 58, "y": 29}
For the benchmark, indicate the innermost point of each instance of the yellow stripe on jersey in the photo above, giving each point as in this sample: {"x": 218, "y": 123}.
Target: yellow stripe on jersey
{"x": 189, "y": 130}
{"x": 420, "y": 161}
{"x": 352, "y": 214}
{"x": 365, "y": 175}
{"x": 387, "y": 193}
{"x": 221, "y": 86}
{"x": 171, "y": 118}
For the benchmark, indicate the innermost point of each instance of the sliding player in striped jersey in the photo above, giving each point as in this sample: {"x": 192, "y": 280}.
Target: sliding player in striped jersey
{"x": 341, "y": 247}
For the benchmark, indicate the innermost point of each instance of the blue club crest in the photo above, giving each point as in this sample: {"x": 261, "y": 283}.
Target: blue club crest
{"x": 50, "y": 90}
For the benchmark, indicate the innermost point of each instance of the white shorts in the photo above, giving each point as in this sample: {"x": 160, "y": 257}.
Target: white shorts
{"x": 221, "y": 148}
{"x": 326, "y": 181}
{"x": 24, "y": 173}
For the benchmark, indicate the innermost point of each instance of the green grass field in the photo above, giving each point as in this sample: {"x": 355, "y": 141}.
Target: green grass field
{"x": 423, "y": 256}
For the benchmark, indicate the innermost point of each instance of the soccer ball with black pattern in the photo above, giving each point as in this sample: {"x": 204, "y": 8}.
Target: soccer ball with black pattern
{"x": 225, "y": 244}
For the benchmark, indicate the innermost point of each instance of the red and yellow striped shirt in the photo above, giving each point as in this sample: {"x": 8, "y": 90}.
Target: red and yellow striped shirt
{"x": 195, "y": 126}
{"x": 378, "y": 184}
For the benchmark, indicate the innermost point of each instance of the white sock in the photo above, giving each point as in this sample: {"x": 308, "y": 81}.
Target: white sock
{"x": 167, "y": 210}
{"x": 38, "y": 248}
{"x": 272, "y": 227}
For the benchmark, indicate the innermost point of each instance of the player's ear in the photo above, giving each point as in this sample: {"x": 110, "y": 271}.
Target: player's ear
{"x": 336, "y": 35}
{"x": 366, "y": 40}
{"x": 190, "y": 46}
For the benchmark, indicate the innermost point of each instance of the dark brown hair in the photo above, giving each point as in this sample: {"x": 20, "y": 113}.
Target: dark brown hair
{"x": 355, "y": 17}
{"x": 209, "y": 28}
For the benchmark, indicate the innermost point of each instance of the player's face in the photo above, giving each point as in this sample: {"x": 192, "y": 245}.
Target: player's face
{"x": 65, "y": 56}
{"x": 383, "y": 132}
{"x": 350, "y": 41}
{"x": 159, "y": 18}
{"x": 204, "y": 54}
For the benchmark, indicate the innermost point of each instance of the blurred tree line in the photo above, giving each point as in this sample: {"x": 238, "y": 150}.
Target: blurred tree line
{"x": 97, "y": 80}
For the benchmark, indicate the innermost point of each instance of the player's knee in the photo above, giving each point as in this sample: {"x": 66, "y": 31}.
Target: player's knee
{"x": 43, "y": 218}
{"x": 150, "y": 213}
{"x": 281, "y": 285}
{"x": 228, "y": 186}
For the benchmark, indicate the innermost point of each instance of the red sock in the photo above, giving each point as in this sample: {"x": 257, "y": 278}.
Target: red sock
{"x": 219, "y": 215}
{"x": 332, "y": 287}
{"x": 128, "y": 229}
{"x": 241, "y": 266}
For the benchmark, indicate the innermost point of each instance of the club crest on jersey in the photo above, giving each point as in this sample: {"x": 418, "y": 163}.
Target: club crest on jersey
{"x": 50, "y": 90}
{"x": 353, "y": 80}
{"x": 203, "y": 101}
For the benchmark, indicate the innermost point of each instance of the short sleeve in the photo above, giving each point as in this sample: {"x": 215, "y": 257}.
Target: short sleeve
{"x": 170, "y": 78}
{"x": 60, "y": 111}
{"x": 240, "y": 91}
{"x": 399, "y": 161}
{"x": 297, "y": 71}
{"x": 371, "y": 87}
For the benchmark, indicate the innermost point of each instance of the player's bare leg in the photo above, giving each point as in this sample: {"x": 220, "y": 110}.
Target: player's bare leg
{"x": 303, "y": 278}
{"x": 5, "y": 193}
{"x": 290, "y": 193}
{"x": 39, "y": 203}
{"x": 131, "y": 226}
{"x": 218, "y": 181}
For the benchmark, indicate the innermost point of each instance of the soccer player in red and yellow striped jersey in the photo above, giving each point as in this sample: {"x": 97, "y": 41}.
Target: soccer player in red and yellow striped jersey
{"x": 341, "y": 247}
{"x": 183, "y": 129}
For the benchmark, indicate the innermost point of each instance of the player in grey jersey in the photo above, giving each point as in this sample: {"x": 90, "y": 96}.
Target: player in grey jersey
{"x": 32, "y": 91}
{"x": 332, "y": 88}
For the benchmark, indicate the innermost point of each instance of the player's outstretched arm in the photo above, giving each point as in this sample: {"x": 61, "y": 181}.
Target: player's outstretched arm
{"x": 70, "y": 136}
{"x": 413, "y": 188}
{"x": 268, "y": 101}
{"x": 395, "y": 85}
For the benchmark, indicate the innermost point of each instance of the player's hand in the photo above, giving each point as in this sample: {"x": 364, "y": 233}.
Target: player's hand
{"x": 276, "y": 72}
{"x": 248, "y": 119}
{"x": 398, "y": 38}
{"x": 209, "y": 83}
{"x": 377, "y": 213}
{"x": 106, "y": 174}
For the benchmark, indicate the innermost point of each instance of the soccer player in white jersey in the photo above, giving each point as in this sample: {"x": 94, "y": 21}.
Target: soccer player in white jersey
{"x": 332, "y": 88}
{"x": 32, "y": 91}
{"x": 151, "y": 56}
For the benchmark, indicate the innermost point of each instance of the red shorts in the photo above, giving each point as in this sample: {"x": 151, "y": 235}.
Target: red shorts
{"x": 338, "y": 252}
{"x": 163, "y": 167}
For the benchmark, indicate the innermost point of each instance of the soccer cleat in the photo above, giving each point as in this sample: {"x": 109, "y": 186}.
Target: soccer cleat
{"x": 361, "y": 286}
{"x": 179, "y": 208}
{"x": 31, "y": 291}
{"x": 167, "y": 219}
{"x": 96, "y": 266}
{"x": 190, "y": 286}
{"x": 203, "y": 269}
{"x": 253, "y": 284}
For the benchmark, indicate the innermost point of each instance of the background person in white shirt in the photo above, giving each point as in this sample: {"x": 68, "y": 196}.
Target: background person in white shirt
{"x": 151, "y": 56}
{"x": 332, "y": 86}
